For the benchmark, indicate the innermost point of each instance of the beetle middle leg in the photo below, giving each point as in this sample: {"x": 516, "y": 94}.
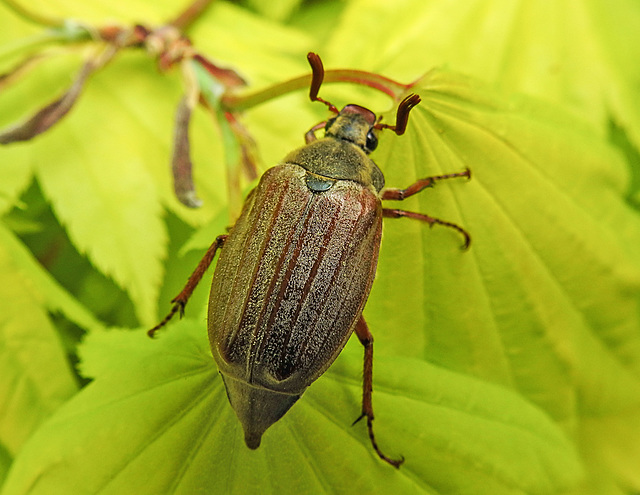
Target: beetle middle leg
{"x": 393, "y": 213}
{"x": 310, "y": 136}
{"x": 180, "y": 301}
{"x": 366, "y": 338}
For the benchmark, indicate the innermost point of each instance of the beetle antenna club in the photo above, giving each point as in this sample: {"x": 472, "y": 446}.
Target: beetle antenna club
{"x": 317, "y": 77}
{"x": 402, "y": 115}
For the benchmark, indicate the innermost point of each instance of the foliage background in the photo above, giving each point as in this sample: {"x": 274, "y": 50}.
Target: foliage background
{"x": 511, "y": 368}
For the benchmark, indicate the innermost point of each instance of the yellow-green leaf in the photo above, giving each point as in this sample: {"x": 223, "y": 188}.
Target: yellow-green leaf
{"x": 36, "y": 375}
{"x": 156, "y": 420}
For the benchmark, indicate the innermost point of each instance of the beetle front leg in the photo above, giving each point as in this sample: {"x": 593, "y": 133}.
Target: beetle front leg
{"x": 363, "y": 333}
{"x": 180, "y": 301}
{"x": 416, "y": 187}
{"x": 310, "y": 136}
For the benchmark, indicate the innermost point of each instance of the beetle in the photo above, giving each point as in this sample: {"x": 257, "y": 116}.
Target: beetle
{"x": 296, "y": 269}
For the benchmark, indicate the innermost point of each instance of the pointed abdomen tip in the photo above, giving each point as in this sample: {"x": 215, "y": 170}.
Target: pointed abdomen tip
{"x": 252, "y": 441}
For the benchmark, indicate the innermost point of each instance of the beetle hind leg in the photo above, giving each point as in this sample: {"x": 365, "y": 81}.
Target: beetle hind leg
{"x": 177, "y": 307}
{"x": 366, "y": 339}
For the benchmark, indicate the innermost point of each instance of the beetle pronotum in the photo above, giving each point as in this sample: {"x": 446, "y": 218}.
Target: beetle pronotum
{"x": 297, "y": 267}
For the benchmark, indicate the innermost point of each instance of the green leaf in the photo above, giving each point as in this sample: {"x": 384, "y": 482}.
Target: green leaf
{"x": 105, "y": 12}
{"x": 101, "y": 191}
{"x": 547, "y": 299}
{"x": 12, "y": 37}
{"x": 5, "y": 464}
{"x": 158, "y": 415}
{"x": 534, "y": 329}
{"x": 279, "y": 10}
{"x": 46, "y": 290}
{"x": 36, "y": 376}
{"x": 16, "y": 177}
{"x": 579, "y": 54}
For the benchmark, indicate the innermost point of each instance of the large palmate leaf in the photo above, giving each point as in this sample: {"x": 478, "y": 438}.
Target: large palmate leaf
{"x": 523, "y": 322}
{"x": 156, "y": 420}
{"x": 546, "y": 300}
{"x": 107, "y": 189}
{"x": 512, "y": 367}
{"x": 580, "y": 54}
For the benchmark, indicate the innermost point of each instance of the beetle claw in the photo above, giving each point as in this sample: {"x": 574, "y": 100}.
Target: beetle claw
{"x": 396, "y": 463}
{"x": 178, "y": 307}
{"x": 363, "y": 415}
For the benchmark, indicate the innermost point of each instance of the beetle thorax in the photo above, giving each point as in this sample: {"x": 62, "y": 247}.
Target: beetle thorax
{"x": 339, "y": 160}
{"x": 343, "y": 153}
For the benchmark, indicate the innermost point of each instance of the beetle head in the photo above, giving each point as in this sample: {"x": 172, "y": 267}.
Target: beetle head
{"x": 356, "y": 125}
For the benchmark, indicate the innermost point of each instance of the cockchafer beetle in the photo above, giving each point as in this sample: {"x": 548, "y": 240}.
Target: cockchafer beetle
{"x": 297, "y": 267}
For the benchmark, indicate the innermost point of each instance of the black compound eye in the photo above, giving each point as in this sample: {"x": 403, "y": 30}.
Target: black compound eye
{"x": 372, "y": 141}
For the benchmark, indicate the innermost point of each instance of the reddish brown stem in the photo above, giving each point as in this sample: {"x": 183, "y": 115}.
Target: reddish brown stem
{"x": 51, "y": 114}
{"x": 247, "y": 145}
{"x": 190, "y": 14}
{"x": 181, "y": 160}
{"x": 229, "y": 77}
{"x": 388, "y": 86}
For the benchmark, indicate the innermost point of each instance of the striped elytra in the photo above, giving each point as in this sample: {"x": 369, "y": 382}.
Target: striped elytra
{"x": 278, "y": 308}
{"x": 289, "y": 287}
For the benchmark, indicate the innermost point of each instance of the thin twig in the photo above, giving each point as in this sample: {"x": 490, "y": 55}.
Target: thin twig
{"x": 190, "y": 14}
{"x": 33, "y": 16}
{"x": 388, "y": 86}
